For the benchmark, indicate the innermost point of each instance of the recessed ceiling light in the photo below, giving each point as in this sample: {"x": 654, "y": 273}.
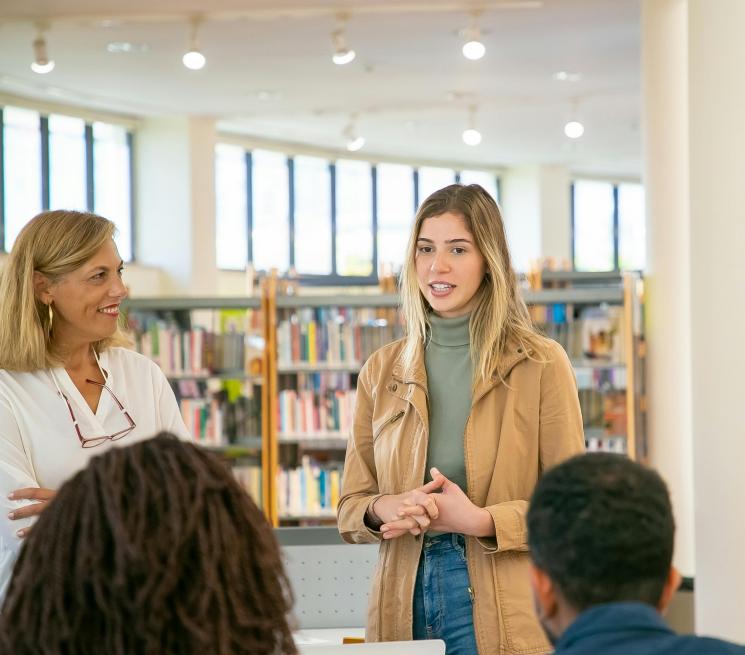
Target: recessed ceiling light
{"x": 265, "y": 95}
{"x": 125, "y": 47}
{"x": 566, "y": 76}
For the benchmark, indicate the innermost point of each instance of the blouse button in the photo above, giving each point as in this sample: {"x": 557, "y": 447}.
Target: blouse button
{"x": 394, "y": 387}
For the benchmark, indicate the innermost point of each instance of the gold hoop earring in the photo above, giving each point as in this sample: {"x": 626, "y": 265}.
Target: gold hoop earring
{"x": 51, "y": 316}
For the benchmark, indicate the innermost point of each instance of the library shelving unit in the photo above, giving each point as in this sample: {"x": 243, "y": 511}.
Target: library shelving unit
{"x": 598, "y": 318}
{"x": 212, "y": 350}
{"x": 320, "y": 344}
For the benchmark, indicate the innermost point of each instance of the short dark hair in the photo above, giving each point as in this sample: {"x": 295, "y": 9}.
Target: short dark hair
{"x": 152, "y": 549}
{"x": 601, "y": 526}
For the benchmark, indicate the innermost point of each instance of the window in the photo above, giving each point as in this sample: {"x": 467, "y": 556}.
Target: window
{"x": 486, "y": 180}
{"x": 231, "y": 196}
{"x": 22, "y": 183}
{"x": 312, "y": 216}
{"x": 432, "y": 179}
{"x": 632, "y": 251}
{"x": 593, "y": 226}
{"x": 112, "y": 184}
{"x": 609, "y": 226}
{"x": 318, "y": 217}
{"x": 271, "y": 211}
{"x": 67, "y": 163}
{"x": 395, "y": 202}
{"x": 354, "y": 227}
{"x": 60, "y": 162}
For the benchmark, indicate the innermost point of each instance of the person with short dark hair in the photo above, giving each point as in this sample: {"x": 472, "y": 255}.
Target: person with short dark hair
{"x": 152, "y": 549}
{"x": 600, "y": 531}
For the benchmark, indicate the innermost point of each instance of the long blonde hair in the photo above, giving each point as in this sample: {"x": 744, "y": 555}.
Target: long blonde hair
{"x": 499, "y": 315}
{"x": 54, "y": 243}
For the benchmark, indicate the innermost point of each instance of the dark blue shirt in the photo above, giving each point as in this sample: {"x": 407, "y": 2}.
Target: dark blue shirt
{"x": 633, "y": 629}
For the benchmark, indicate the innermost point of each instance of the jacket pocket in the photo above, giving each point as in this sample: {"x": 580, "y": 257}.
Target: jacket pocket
{"x": 521, "y": 629}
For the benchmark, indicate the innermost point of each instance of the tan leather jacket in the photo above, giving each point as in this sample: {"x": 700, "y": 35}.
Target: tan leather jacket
{"x": 514, "y": 432}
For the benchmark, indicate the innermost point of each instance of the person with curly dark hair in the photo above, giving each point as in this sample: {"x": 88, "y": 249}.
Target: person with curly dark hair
{"x": 600, "y": 531}
{"x": 152, "y": 549}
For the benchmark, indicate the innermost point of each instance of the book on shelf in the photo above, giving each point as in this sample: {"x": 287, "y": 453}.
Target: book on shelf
{"x": 219, "y": 413}
{"x": 249, "y": 477}
{"x": 320, "y": 403}
{"x": 332, "y": 335}
{"x": 311, "y": 489}
{"x": 596, "y": 334}
{"x": 232, "y": 347}
{"x": 610, "y": 378}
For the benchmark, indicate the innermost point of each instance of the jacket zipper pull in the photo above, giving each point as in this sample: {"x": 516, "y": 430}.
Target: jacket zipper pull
{"x": 470, "y": 593}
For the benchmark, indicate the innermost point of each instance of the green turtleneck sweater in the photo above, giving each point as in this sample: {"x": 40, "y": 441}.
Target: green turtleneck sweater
{"x": 447, "y": 359}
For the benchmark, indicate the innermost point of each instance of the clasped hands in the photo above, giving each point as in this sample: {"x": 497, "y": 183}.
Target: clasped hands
{"x": 437, "y": 505}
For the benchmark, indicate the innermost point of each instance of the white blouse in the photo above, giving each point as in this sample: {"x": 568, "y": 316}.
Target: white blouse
{"x": 39, "y": 446}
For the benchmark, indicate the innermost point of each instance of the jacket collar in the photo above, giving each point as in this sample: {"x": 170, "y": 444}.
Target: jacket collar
{"x": 612, "y": 618}
{"x": 417, "y": 373}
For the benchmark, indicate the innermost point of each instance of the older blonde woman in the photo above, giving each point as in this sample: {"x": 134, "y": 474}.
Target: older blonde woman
{"x": 68, "y": 387}
{"x": 474, "y": 402}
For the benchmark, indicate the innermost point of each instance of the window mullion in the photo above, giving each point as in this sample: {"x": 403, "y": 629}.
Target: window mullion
{"x": 45, "y": 186}
{"x": 332, "y": 169}
{"x": 2, "y": 181}
{"x": 89, "y": 168}
{"x": 291, "y": 208}
{"x": 249, "y": 207}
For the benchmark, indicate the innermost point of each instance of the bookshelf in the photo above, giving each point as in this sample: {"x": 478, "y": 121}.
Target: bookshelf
{"x": 322, "y": 342}
{"x": 212, "y": 350}
{"x": 598, "y": 318}
{"x": 302, "y": 355}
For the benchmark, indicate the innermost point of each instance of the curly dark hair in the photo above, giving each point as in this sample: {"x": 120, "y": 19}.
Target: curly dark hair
{"x": 151, "y": 549}
{"x": 601, "y": 526}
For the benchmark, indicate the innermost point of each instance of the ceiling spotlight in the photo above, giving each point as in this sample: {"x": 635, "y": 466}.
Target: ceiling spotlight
{"x": 574, "y": 129}
{"x": 471, "y": 136}
{"x": 355, "y": 141}
{"x": 473, "y": 48}
{"x": 356, "y": 144}
{"x": 194, "y": 59}
{"x": 343, "y": 54}
{"x": 41, "y": 64}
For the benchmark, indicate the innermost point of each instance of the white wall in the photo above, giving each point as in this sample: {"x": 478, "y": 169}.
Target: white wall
{"x": 667, "y": 284}
{"x": 717, "y": 168}
{"x": 176, "y": 202}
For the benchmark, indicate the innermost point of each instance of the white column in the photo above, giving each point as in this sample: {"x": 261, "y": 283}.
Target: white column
{"x": 535, "y": 200}
{"x": 176, "y": 202}
{"x": 556, "y": 214}
{"x": 668, "y": 306}
{"x": 717, "y": 173}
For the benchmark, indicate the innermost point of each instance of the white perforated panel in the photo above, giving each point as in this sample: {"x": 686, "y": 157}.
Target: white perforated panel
{"x": 331, "y": 583}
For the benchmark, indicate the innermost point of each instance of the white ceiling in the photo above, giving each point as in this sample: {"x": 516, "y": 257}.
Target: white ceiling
{"x": 410, "y": 84}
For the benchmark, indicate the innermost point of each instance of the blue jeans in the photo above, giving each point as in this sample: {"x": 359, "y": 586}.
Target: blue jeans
{"x": 443, "y": 605}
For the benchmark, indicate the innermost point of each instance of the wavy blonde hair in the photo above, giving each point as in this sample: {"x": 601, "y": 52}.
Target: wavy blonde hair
{"x": 54, "y": 243}
{"x": 499, "y": 315}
